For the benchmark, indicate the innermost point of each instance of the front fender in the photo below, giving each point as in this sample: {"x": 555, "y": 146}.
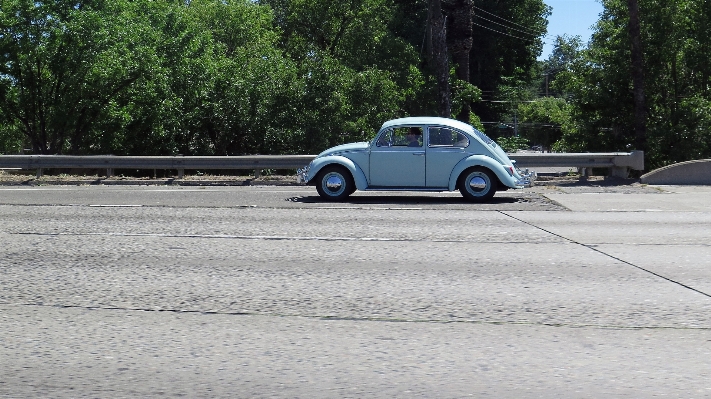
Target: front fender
{"x": 357, "y": 173}
{"x": 487, "y": 162}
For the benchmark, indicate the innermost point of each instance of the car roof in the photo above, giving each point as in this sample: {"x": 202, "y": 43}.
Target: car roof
{"x": 429, "y": 120}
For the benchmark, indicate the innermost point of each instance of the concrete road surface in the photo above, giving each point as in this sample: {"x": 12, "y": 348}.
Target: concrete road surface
{"x": 578, "y": 291}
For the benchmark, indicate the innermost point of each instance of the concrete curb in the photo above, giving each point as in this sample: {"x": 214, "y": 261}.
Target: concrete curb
{"x": 696, "y": 172}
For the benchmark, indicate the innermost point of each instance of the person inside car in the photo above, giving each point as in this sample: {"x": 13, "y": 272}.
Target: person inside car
{"x": 413, "y": 137}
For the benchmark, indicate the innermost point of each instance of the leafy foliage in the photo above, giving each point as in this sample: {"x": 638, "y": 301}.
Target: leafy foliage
{"x": 227, "y": 77}
{"x": 62, "y": 64}
{"x": 507, "y": 40}
{"x": 513, "y": 143}
{"x": 545, "y": 121}
{"x": 675, "y": 41}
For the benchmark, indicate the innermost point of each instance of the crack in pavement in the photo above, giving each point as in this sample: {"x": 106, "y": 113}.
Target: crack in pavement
{"x": 319, "y": 238}
{"x": 592, "y": 247}
{"x": 363, "y": 319}
{"x": 243, "y": 206}
{"x": 260, "y": 237}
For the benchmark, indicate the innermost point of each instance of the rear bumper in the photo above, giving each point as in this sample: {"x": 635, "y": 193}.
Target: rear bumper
{"x": 527, "y": 178}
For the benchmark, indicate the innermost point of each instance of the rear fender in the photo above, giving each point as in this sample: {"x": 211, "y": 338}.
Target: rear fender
{"x": 493, "y": 165}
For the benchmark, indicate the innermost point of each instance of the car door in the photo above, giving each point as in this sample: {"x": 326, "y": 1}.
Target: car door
{"x": 445, "y": 148}
{"x": 397, "y": 159}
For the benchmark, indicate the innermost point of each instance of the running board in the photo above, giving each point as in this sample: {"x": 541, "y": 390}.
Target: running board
{"x": 433, "y": 190}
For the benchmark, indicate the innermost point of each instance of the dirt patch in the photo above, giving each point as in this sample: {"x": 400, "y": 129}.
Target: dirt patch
{"x": 544, "y": 184}
{"x": 23, "y": 178}
{"x": 593, "y": 184}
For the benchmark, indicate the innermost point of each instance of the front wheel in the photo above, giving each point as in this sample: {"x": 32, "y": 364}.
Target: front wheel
{"x": 334, "y": 183}
{"x": 477, "y": 184}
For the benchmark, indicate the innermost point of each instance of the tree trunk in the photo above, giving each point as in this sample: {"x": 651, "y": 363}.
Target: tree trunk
{"x": 439, "y": 58}
{"x": 640, "y": 114}
{"x": 459, "y": 35}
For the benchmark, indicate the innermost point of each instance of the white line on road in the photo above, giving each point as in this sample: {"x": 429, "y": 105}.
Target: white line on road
{"x": 114, "y": 206}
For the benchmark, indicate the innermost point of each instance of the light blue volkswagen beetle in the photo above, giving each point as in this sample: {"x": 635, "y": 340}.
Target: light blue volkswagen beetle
{"x": 417, "y": 154}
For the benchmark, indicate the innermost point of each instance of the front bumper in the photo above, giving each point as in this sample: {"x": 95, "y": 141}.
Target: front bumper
{"x": 302, "y": 174}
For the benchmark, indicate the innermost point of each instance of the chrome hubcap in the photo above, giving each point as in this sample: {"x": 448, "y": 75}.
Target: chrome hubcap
{"x": 477, "y": 184}
{"x": 334, "y": 183}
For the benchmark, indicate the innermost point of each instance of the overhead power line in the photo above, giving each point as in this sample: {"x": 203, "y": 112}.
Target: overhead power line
{"x": 508, "y": 27}
{"x": 525, "y": 30}
{"x": 504, "y": 33}
{"x": 504, "y": 19}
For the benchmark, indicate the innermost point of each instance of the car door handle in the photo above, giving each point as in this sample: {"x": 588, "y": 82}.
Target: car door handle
{"x": 418, "y": 153}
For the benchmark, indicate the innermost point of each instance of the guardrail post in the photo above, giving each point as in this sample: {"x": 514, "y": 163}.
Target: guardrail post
{"x": 257, "y": 173}
{"x": 109, "y": 169}
{"x": 585, "y": 172}
{"x": 39, "y": 173}
{"x": 181, "y": 171}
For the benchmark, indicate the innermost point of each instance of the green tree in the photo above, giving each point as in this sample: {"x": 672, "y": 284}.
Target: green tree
{"x": 507, "y": 41}
{"x": 208, "y": 94}
{"x": 11, "y": 140}
{"x": 438, "y": 57}
{"x": 600, "y": 85}
{"x": 249, "y": 103}
{"x": 355, "y": 72}
{"x": 637, "y": 72}
{"x": 62, "y": 63}
{"x": 460, "y": 32}
{"x": 566, "y": 51}
{"x": 221, "y": 76}
{"x": 544, "y": 121}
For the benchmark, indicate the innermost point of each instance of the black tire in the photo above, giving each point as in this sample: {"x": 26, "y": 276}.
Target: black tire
{"x": 334, "y": 183}
{"x": 477, "y": 184}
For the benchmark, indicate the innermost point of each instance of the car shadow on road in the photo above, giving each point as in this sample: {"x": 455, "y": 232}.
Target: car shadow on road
{"x": 402, "y": 200}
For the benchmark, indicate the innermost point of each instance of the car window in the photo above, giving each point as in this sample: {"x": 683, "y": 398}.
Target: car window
{"x": 446, "y": 137}
{"x": 409, "y": 136}
{"x": 485, "y": 138}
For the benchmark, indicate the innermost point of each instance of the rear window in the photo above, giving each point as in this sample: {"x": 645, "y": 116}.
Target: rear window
{"x": 446, "y": 137}
{"x": 484, "y": 138}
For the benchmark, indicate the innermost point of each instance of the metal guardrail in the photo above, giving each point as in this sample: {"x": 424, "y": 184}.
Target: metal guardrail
{"x": 620, "y": 162}
{"x": 179, "y": 163}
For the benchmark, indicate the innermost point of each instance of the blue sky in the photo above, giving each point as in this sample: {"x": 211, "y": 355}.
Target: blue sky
{"x": 572, "y": 17}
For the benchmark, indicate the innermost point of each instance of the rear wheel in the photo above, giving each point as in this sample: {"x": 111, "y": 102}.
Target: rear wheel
{"x": 477, "y": 184}
{"x": 334, "y": 183}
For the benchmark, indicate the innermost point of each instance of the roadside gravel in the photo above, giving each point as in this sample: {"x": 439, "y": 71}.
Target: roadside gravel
{"x": 544, "y": 185}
